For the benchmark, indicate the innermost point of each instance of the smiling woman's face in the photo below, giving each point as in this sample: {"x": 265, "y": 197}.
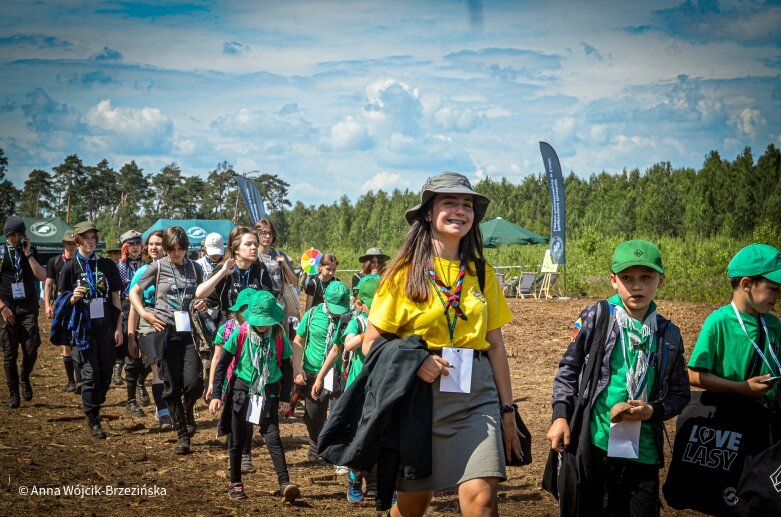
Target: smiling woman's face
{"x": 451, "y": 215}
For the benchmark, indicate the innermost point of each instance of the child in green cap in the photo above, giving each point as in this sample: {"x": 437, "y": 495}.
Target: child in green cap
{"x": 258, "y": 391}
{"x": 622, "y": 375}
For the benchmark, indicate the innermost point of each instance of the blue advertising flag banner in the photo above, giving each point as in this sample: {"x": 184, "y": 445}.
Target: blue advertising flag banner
{"x": 556, "y": 189}
{"x": 252, "y": 199}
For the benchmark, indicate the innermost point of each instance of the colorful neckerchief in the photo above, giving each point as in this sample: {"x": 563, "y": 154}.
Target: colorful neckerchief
{"x": 453, "y": 297}
{"x": 637, "y": 339}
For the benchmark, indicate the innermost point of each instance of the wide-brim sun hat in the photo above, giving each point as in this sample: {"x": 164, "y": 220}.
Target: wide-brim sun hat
{"x": 449, "y": 183}
{"x": 373, "y": 252}
{"x": 242, "y": 300}
{"x": 83, "y": 227}
{"x": 263, "y": 310}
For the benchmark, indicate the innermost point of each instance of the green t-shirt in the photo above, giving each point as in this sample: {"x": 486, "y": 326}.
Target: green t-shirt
{"x": 616, "y": 392}
{"x": 357, "y": 325}
{"x": 254, "y": 344}
{"x": 724, "y": 350}
{"x": 314, "y": 334}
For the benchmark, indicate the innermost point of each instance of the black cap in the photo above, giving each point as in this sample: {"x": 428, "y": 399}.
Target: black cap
{"x": 14, "y": 224}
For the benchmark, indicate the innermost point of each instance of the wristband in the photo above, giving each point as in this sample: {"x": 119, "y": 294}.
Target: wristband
{"x": 507, "y": 409}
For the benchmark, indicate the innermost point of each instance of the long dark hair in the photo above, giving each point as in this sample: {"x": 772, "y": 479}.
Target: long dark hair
{"x": 145, "y": 252}
{"x": 417, "y": 251}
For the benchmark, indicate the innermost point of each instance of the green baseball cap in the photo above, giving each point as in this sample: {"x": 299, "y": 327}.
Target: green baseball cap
{"x": 756, "y": 259}
{"x": 263, "y": 310}
{"x": 366, "y": 288}
{"x": 637, "y": 253}
{"x": 242, "y": 300}
{"x": 84, "y": 227}
{"x": 449, "y": 183}
{"x": 337, "y": 298}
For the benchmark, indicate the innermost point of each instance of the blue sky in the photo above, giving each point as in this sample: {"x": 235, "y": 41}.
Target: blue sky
{"x": 340, "y": 97}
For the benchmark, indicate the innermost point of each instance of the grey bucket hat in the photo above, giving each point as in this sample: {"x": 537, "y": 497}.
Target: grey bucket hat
{"x": 449, "y": 183}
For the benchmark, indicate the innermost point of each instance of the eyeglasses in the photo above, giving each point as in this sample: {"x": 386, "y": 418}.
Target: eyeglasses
{"x": 265, "y": 234}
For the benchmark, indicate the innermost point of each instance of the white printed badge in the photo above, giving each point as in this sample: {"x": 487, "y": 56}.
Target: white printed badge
{"x": 624, "y": 441}
{"x": 459, "y": 378}
{"x": 182, "y": 321}
{"x": 96, "y": 308}
{"x": 328, "y": 382}
{"x": 17, "y": 290}
{"x": 255, "y": 409}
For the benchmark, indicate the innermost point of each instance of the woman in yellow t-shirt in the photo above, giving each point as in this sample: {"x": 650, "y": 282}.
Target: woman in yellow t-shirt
{"x": 431, "y": 289}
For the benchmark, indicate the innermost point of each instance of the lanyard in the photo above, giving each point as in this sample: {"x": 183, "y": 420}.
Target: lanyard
{"x": 92, "y": 278}
{"x": 16, "y": 262}
{"x": 333, "y": 329}
{"x": 179, "y": 293}
{"x": 244, "y": 279}
{"x": 257, "y": 351}
{"x": 756, "y": 347}
{"x": 453, "y": 298}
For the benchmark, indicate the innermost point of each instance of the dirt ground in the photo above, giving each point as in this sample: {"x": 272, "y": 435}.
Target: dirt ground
{"x": 45, "y": 446}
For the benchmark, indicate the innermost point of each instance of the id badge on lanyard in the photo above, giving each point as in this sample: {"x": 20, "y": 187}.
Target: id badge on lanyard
{"x": 255, "y": 409}
{"x": 459, "y": 377}
{"x": 96, "y": 308}
{"x": 182, "y": 321}
{"x": 17, "y": 290}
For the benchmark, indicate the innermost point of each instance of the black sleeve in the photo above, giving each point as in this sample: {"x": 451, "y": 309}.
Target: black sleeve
{"x": 356, "y": 279}
{"x": 214, "y": 300}
{"x": 311, "y": 285}
{"x": 65, "y": 281}
{"x": 115, "y": 282}
{"x": 50, "y": 273}
{"x": 265, "y": 279}
{"x": 198, "y": 272}
{"x": 219, "y": 373}
{"x": 287, "y": 379}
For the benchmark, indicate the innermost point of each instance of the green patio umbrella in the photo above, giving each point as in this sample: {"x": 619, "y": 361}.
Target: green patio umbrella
{"x": 501, "y": 231}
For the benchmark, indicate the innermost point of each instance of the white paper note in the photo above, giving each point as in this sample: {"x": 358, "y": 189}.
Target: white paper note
{"x": 17, "y": 290}
{"x": 182, "y": 320}
{"x": 96, "y": 308}
{"x": 328, "y": 382}
{"x": 459, "y": 378}
{"x": 624, "y": 440}
{"x": 255, "y": 409}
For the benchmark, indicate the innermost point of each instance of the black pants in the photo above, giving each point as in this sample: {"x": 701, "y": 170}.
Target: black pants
{"x": 96, "y": 364}
{"x": 134, "y": 367}
{"x": 269, "y": 427}
{"x": 180, "y": 368}
{"x": 315, "y": 414}
{"x": 630, "y": 488}
{"x": 23, "y": 332}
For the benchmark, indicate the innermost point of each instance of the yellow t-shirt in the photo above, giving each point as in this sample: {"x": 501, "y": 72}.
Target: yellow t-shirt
{"x": 393, "y": 311}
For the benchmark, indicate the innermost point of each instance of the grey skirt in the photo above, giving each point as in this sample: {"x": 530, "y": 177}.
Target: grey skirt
{"x": 466, "y": 435}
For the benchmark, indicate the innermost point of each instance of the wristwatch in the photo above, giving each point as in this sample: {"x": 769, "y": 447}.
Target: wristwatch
{"x": 508, "y": 409}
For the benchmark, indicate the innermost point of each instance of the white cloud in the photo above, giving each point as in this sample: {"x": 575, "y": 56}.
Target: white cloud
{"x": 145, "y": 130}
{"x": 452, "y": 118}
{"x": 385, "y": 181}
{"x": 749, "y": 121}
{"x": 350, "y": 134}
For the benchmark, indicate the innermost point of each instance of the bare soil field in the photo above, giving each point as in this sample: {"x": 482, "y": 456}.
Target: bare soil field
{"x": 45, "y": 446}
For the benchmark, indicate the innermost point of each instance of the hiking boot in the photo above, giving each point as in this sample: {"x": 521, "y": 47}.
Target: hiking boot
{"x": 117, "y": 377}
{"x": 13, "y": 400}
{"x": 27, "y": 390}
{"x": 183, "y": 445}
{"x": 134, "y": 409}
{"x": 246, "y": 464}
{"x": 189, "y": 418}
{"x": 95, "y": 428}
{"x": 236, "y": 491}
{"x": 354, "y": 494}
{"x": 289, "y": 492}
{"x": 70, "y": 387}
{"x": 166, "y": 423}
{"x": 142, "y": 394}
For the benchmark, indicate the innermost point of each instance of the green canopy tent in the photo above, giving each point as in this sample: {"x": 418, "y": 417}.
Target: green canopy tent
{"x": 501, "y": 231}
{"x": 197, "y": 229}
{"x": 45, "y": 234}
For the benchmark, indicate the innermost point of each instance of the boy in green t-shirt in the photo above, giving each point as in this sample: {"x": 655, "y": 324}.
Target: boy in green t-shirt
{"x": 258, "y": 390}
{"x": 738, "y": 347}
{"x": 614, "y": 437}
{"x": 320, "y": 330}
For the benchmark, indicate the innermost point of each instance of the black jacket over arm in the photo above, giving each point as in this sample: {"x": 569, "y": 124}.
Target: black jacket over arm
{"x": 384, "y": 417}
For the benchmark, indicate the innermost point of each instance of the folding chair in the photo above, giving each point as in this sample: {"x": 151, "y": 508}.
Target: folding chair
{"x": 508, "y": 285}
{"x": 547, "y": 282}
{"x": 526, "y": 286}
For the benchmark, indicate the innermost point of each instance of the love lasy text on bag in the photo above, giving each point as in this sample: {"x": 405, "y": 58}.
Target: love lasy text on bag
{"x": 712, "y": 448}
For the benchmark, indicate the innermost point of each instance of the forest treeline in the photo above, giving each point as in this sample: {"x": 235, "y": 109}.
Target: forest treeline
{"x": 733, "y": 200}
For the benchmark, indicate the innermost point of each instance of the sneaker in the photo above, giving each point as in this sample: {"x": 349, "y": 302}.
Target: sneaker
{"x": 166, "y": 423}
{"x": 246, "y": 463}
{"x": 354, "y": 494}
{"x": 183, "y": 445}
{"x": 95, "y": 429}
{"x": 289, "y": 492}
{"x": 142, "y": 394}
{"x": 117, "y": 377}
{"x": 13, "y": 401}
{"x": 71, "y": 387}
{"x": 236, "y": 491}
{"x": 134, "y": 409}
{"x": 341, "y": 470}
{"x": 27, "y": 390}
{"x": 371, "y": 493}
